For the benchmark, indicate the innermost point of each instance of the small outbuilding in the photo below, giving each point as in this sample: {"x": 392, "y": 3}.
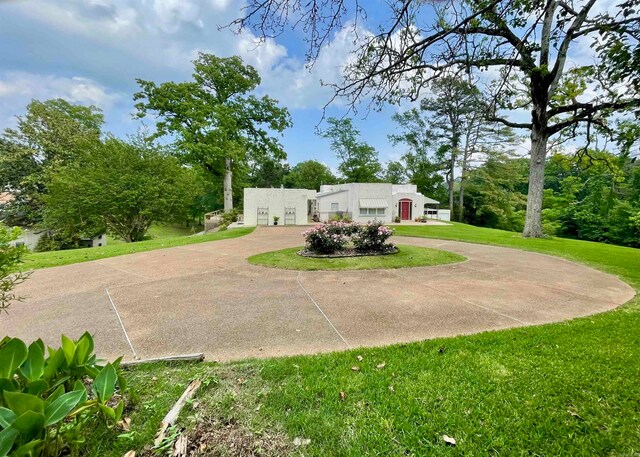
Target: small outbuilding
{"x": 278, "y": 206}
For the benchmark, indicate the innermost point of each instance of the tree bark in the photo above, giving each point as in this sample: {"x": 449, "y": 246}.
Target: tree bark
{"x": 461, "y": 199}
{"x": 533, "y": 219}
{"x": 452, "y": 166}
{"x": 227, "y": 186}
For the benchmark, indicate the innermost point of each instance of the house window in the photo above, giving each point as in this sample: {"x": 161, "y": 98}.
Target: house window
{"x": 371, "y": 212}
{"x": 334, "y": 207}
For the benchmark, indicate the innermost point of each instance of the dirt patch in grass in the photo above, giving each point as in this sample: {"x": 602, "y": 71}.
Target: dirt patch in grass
{"x": 213, "y": 437}
{"x": 221, "y": 437}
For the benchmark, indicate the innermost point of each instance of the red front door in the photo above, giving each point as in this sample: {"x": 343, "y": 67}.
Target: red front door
{"x": 405, "y": 210}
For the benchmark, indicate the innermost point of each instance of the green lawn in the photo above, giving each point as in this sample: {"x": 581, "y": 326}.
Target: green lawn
{"x": 157, "y": 232}
{"x": 560, "y": 389}
{"x": 409, "y": 256}
{"x": 37, "y": 260}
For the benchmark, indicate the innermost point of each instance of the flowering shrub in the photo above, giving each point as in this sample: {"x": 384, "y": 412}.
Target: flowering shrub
{"x": 335, "y": 236}
{"x": 372, "y": 237}
{"x": 347, "y": 228}
{"x": 325, "y": 239}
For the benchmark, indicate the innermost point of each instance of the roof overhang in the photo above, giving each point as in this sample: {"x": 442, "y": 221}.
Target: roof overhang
{"x": 374, "y": 203}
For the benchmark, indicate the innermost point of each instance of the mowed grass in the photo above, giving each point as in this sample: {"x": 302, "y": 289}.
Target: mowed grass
{"x": 161, "y": 231}
{"x": 36, "y": 260}
{"x": 568, "y": 388}
{"x": 408, "y": 256}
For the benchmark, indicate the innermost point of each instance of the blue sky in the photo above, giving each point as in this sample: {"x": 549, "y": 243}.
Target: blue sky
{"x": 91, "y": 51}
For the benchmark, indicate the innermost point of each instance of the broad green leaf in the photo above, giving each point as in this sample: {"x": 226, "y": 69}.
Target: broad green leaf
{"x": 119, "y": 409}
{"x": 8, "y": 385}
{"x": 104, "y": 384}
{"x": 122, "y": 383}
{"x": 12, "y": 355}
{"x": 116, "y": 363}
{"x": 92, "y": 372}
{"x": 21, "y": 403}
{"x": 78, "y": 385}
{"x": 53, "y": 364}
{"x": 84, "y": 347}
{"x": 37, "y": 387}
{"x": 6, "y": 417}
{"x": 30, "y": 449}
{"x": 40, "y": 343}
{"x": 7, "y": 438}
{"x": 33, "y": 367}
{"x": 69, "y": 349}
{"x": 107, "y": 411}
{"x": 59, "y": 408}
{"x": 30, "y": 425}
{"x": 54, "y": 395}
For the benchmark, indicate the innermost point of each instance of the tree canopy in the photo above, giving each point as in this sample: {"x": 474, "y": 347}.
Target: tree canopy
{"x": 219, "y": 124}
{"x": 119, "y": 187}
{"x": 358, "y": 161}
{"x": 309, "y": 174}
{"x": 51, "y": 134}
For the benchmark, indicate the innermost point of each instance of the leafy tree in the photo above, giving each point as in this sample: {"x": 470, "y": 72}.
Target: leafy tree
{"x": 533, "y": 48}
{"x": 592, "y": 199}
{"x": 10, "y": 260}
{"x": 267, "y": 173}
{"x": 497, "y": 193}
{"x": 119, "y": 187}
{"x": 309, "y": 174}
{"x": 421, "y": 167}
{"x": 50, "y": 134}
{"x": 218, "y": 123}
{"x": 395, "y": 173}
{"x": 453, "y": 113}
{"x": 358, "y": 160}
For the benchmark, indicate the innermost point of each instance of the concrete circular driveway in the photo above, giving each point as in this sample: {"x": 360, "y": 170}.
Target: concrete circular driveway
{"x": 207, "y": 298}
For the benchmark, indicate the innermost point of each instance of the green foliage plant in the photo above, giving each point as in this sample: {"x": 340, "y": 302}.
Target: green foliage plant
{"x": 10, "y": 259}
{"x": 44, "y": 400}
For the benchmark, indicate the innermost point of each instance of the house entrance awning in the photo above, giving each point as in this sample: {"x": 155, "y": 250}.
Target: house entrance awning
{"x": 374, "y": 203}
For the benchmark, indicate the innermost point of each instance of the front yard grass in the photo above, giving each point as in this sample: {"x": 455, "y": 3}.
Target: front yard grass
{"x": 408, "y": 256}
{"x": 35, "y": 260}
{"x": 568, "y": 388}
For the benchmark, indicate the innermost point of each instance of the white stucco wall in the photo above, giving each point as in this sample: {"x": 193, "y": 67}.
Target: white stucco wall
{"x": 337, "y": 194}
{"x": 444, "y": 214}
{"x": 28, "y": 238}
{"x": 276, "y": 200}
{"x": 417, "y": 203}
{"x": 349, "y": 200}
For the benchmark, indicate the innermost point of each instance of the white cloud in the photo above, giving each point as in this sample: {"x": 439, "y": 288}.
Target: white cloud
{"x": 297, "y": 86}
{"x": 18, "y": 88}
{"x": 172, "y": 14}
{"x": 262, "y": 54}
{"x": 74, "y": 89}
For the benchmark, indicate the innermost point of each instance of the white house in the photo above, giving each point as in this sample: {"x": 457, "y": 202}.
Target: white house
{"x": 290, "y": 206}
{"x": 361, "y": 202}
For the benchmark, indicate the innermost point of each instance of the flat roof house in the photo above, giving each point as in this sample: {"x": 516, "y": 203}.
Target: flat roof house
{"x": 361, "y": 202}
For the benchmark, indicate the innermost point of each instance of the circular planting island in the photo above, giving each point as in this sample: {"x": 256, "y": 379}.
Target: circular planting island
{"x": 404, "y": 257}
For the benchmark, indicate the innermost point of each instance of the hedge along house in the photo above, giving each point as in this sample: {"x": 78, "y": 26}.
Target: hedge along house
{"x": 361, "y": 202}
{"x": 289, "y": 206}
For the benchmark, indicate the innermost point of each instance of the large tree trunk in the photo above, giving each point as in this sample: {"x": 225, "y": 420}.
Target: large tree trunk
{"x": 227, "y": 186}
{"x": 533, "y": 219}
{"x": 452, "y": 167}
{"x": 461, "y": 199}
{"x": 463, "y": 176}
